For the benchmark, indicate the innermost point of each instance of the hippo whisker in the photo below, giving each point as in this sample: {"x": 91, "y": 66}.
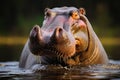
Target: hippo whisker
{"x": 59, "y": 56}
{"x": 56, "y": 52}
{"x": 65, "y": 59}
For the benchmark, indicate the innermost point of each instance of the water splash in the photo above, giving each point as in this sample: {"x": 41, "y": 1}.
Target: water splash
{"x": 10, "y": 70}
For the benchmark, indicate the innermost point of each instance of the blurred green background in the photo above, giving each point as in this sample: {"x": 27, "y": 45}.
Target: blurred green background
{"x": 17, "y": 17}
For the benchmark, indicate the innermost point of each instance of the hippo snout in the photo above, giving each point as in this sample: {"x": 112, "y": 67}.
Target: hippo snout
{"x": 58, "y": 42}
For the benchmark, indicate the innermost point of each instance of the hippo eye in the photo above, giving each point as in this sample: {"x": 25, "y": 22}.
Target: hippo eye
{"x": 74, "y": 15}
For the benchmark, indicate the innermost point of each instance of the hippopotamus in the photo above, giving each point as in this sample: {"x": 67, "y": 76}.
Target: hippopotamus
{"x": 65, "y": 38}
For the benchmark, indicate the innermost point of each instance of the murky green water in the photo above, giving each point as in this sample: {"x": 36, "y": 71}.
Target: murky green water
{"x": 9, "y": 69}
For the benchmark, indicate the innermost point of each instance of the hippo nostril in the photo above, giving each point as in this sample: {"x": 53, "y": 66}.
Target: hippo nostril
{"x": 60, "y": 30}
{"x": 35, "y": 29}
{"x": 36, "y": 32}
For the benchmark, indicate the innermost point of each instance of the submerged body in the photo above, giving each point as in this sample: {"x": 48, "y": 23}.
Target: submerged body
{"x": 66, "y": 38}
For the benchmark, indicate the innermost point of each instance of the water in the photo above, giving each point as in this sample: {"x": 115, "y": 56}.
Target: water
{"x": 11, "y": 71}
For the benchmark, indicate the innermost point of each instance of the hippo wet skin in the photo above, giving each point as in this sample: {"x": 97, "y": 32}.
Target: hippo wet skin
{"x": 66, "y": 38}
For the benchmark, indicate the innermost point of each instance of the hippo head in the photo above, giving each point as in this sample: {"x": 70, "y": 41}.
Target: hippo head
{"x": 63, "y": 34}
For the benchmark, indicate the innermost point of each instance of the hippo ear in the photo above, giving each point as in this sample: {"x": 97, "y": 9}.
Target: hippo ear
{"x": 47, "y": 12}
{"x": 82, "y": 11}
{"x": 46, "y": 9}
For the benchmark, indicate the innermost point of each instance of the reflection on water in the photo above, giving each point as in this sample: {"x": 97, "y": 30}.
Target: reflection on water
{"x": 11, "y": 71}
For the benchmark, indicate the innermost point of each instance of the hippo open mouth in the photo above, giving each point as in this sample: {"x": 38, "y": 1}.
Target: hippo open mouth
{"x": 63, "y": 34}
